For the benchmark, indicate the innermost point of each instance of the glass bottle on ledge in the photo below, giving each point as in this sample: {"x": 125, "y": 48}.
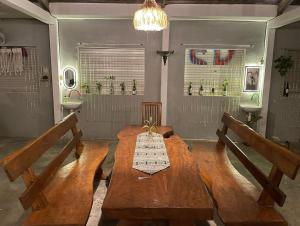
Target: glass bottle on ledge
{"x": 201, "y": 90}
{"x": 99, "y": 87}
{"x": 111, "y": 88}
{"x": 134, "y": 91}
{"x": 286, "y": 89}
{"x": 212, "y": 90}
{"x": 122, "y": 84}
{"x": 190, "y": 89}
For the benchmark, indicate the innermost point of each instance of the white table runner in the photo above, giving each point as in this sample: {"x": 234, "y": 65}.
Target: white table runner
{"x": 150, "y": 154}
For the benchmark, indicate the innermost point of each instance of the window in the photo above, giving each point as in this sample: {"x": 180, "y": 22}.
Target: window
{"x": 212, "y": 69}
{"x": 112, "y": 71}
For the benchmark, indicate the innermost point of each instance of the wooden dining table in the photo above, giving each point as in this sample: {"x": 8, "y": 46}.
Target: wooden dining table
{"x": 175, "y": 193}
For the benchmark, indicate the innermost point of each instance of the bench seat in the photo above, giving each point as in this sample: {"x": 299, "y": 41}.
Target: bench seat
{"x": 235, "y": 197}
{"x": 184, "y": 222}
{"x": 70, "y": 192}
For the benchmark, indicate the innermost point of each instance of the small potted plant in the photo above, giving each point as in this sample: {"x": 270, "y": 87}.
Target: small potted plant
{"x": 122, "y": 84}
{"x": 150, "y": 126}
{"x": 85, "y": 86}
{"x": 225, "y": 86}
{"x": 99, "y": 87}
{"x": 283, "y": 64}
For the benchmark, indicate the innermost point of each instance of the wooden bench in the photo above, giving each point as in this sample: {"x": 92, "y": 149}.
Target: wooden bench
{"x": 58, "y": 195}
{"x": 238, "y": 201}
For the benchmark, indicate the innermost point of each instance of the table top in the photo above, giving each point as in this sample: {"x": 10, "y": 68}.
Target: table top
{"x": 176, "y": 192}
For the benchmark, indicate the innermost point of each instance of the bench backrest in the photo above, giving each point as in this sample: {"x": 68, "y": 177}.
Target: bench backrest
{"x": 152, "y": 109}
{"x": 284, "y": 161}
{"x": 19, "y": 163}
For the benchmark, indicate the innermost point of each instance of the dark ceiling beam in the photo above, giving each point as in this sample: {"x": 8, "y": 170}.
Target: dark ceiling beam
{"x": 42, "y": 3}
{"x": 267, "y": 2}
{"x": 168, "y": 2}
{"x": 282, "y": 6}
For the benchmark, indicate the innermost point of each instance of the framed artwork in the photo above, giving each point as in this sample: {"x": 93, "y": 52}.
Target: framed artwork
{"x": 251, "y": 81}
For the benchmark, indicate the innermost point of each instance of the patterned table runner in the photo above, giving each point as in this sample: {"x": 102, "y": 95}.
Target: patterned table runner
{"x": 150, "y": 154}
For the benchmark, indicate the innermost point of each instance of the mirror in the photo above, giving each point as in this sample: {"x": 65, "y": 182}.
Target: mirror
{"x": 69, "y": 77}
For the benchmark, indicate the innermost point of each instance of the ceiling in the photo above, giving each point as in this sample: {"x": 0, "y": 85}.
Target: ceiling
{"x": 166, "y": 2}
{"x": 9, "y": 13}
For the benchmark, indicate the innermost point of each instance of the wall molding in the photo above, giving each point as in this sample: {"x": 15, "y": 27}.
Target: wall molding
{"x": 234, "y": 12}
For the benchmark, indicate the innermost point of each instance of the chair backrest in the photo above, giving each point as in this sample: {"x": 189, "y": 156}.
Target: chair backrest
{"x": 284, "y": 161}
{"x": 19, "y": 163}
{"x": 151, "y": 109}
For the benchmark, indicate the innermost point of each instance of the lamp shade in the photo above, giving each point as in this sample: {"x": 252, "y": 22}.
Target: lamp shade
{"x": 150, "y": 17}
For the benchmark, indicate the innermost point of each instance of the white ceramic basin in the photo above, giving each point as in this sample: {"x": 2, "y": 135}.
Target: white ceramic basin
{"x": 72, "y": 104}
{"x": 250, "y": 108}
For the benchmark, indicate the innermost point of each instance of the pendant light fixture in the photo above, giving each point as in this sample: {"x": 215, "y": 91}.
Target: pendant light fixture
{"x": 150, "y": 17}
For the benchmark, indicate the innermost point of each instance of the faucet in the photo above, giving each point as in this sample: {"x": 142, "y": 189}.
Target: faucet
{"x": 74, "y": 90}
{"x": 257, "y": 97}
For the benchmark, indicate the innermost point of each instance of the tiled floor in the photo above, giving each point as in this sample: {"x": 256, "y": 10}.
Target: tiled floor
{"x": 11, "y": 212}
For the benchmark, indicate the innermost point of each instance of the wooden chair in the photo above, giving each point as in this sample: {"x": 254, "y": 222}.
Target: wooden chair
{"x": 238, "y": 201}
{"x": 58, "y": 195}
{"x": 151, "y": 109}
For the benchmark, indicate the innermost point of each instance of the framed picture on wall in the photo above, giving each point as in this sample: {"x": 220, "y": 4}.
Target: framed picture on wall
{"x": 251, "y": 81}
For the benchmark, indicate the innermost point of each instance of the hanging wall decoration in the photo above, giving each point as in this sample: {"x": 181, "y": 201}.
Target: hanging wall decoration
{"x": 251, "y": 81}
{"x": 283, "y": 64}
{"x": 195, "y": 59}
{"x": 219, "y": 60}
{"x": 209, "y": 56}
{"x": 214, "y": 72}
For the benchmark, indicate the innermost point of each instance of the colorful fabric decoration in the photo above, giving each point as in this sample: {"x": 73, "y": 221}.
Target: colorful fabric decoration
{"x": 195, "y": 59}
{"x": 214, "y": 57}
{"x": 218, "y": 60}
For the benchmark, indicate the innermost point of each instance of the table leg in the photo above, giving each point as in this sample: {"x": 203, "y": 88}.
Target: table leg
{"x": 182, "y": 222}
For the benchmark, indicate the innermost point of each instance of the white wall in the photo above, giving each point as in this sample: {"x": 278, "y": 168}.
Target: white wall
{"x": 284, "y": 113}
{"x": 72, "y": 32}
{"x": 103, "y": 116}
{"x": 199, "y": 117}
{"x": 15, "y": 118}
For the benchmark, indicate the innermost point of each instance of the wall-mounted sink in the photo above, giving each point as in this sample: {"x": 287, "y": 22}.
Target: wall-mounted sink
{"x": 72, "y": 104}
{"x": 250, "y": 108}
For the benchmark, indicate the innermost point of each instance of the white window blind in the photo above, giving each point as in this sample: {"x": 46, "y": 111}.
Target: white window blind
{"x": 210, "y": 67}
{"x": 110, "y": 67}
